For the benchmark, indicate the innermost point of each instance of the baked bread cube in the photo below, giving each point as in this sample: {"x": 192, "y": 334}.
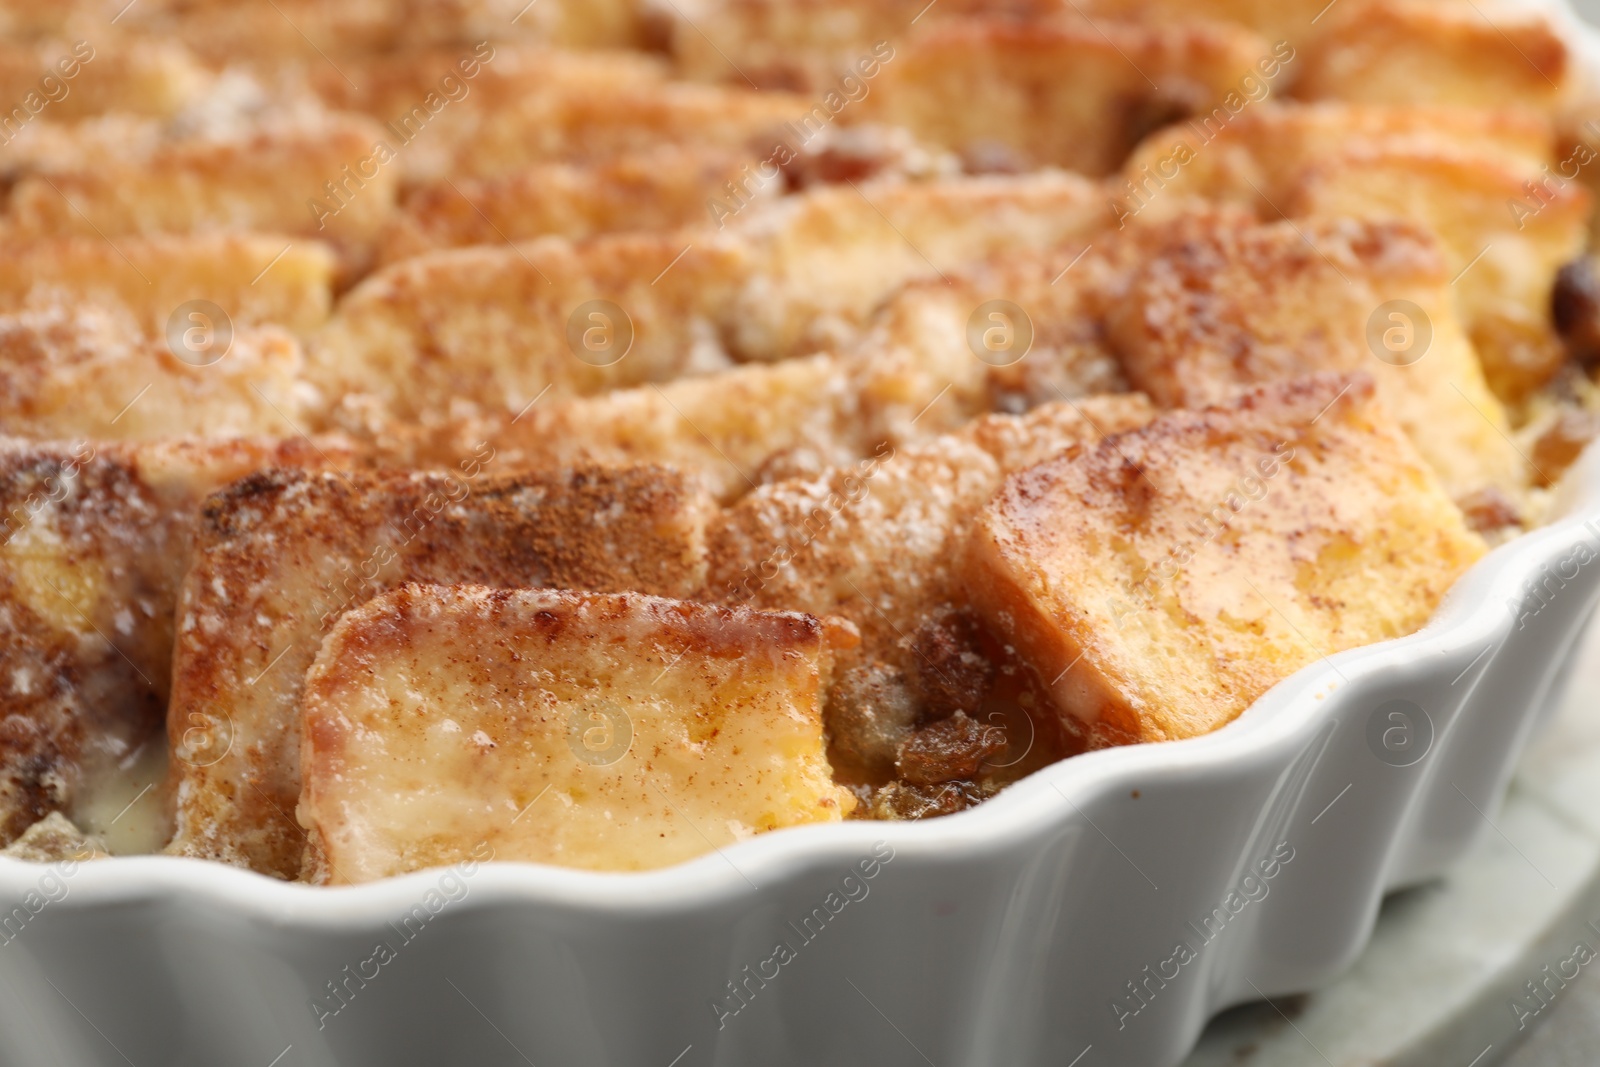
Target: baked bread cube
{"x": 1478, "y": 179}
{"x": 751, "y": 425}
{"x": 90, "y": 373}
{"x": 1274, "y": 19}
{"x": 289, "y": 33}
{"x": 23, "y": 21}
{"x": 94, "y": 539}
{"x": 52, "y": 839}
{"x": 131, "y": 73}
{"x": 1032, "y": 321}
{"x": 620, "y": 732}
{"x": 1504, "y": 238}
{"x": 282, "y": 555}
{"x": 1422, "y": 52}
{"x": 278, "y": 177}
{"x": 1255, "y": 157}
{"x": 462, "y": 82}
{"x": 268, "y": 37}
{"x": 1240, "y": 305}
{"x": 64, "y": 146}
{"x": 910, "y": 374}
{"x": 808, "y": 45}
{"x": 592, "y": 124}
{"x": 496, "y": 326}
{"x": 877, "y": 542}
{"x": 255, "y": 278}
{"x": 575, "y": 24}
{"x": 388, "y": 84}
{"x": 1067, "y": 92}
{"x": 1159, "y": 582}
{"x": 663, "y": 189}
{"x": 822, "y": 262}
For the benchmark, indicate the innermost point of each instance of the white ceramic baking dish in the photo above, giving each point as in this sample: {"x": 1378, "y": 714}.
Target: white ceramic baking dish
{"x": 1098, "y": 912}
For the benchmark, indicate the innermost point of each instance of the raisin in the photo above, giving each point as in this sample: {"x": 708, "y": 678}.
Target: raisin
{"x": 870, "y": 715}
{"x": 947, "y": 669}
{"x": 1575, "y": 307}
{"x": 1562, "y": 443}
{"x": 1488, "y": 509}
{"x": 948, "y": 750}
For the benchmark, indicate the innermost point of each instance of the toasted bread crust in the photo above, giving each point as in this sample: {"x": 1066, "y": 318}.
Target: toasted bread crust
{"x": 387, "y": 84}
{"x": 659, "y": 190}
{"x": 1256, "y": 156}
{"x": 197, "y": 185}
{"x": 283, "y": 554}
{"x": 877, "y": 542}
{"x": 1065, "y": 92}
{"x": 720, "y": 707}
{"x": 1513, "y": 234}
{"x": 584, "y": 125}
{"x": 130, "y": 73}
{"x": 810, "y": 45}
{"x": 1237, "y": 306}
{"x": 1159, "y": 582}
{"x": 88, "y": 372}
{"x": 1479, "y": 179}
{"x": 822, "y": 262}
{"x": 152, "y": 276}
{"x": 495, "y": 326}
{"x": 1414, "y": 52}
{"x": 94, "y": 539}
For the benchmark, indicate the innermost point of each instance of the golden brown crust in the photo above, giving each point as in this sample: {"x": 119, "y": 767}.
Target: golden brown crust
{"x": 153, "y": 275}
{"x": 1276, "y": 20}
{"x": 89, "y": 372}
{"x": 658, "y": 728}
{"x": 495, "y": 326}
{"x": 808, "y": 45}
{"x": 1064, "y": 92}
{"x": 910, "y": 373}
{"x": 1017, "y": 442}
{"x": 1240, "y": 305}
{"x": 578, "y": 124}
{"x": 1417, "y": 52}
{"x": 1255, "y": 156}
{"x": 387, "y": 84}
{"x": 822, "y": 262}
{"x": 1159, "y": 582}
{"x": 129, "y": 73}
{"x": 1059, "y": 298}
{"x": 234, "y": 183}
{"x": 662, "y": 189}
{"x": 302, "y": 32}
{"x": 283, "y": 554}
{"x": 1513, "y": 234}
{"x": 1479, "y": 179}
{"x": 735, "y": 429}
{"x": 94, "y": 539}
{"x": 877, "y": 542}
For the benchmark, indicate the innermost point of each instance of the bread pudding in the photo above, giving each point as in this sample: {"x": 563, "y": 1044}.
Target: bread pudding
{"x": 601, "y": 435}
